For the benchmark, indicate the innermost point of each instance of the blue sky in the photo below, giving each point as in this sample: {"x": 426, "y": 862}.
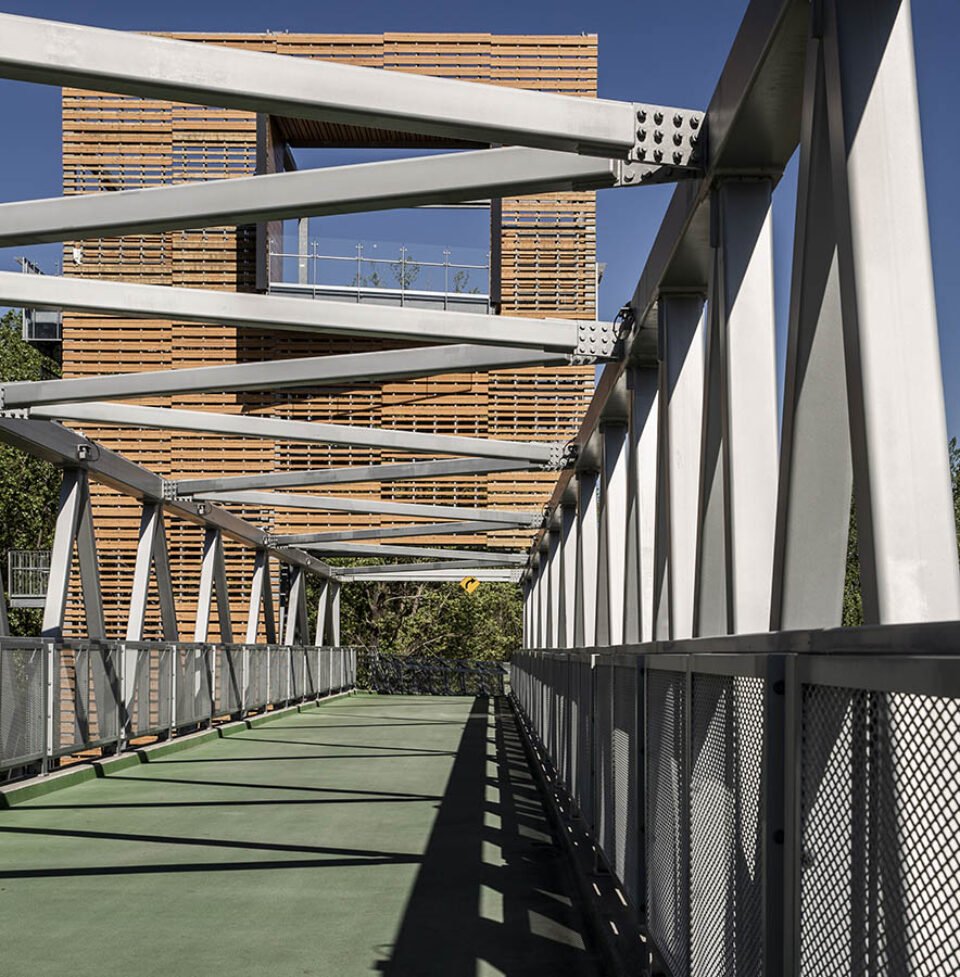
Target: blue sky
{"x": 670, "y": 53}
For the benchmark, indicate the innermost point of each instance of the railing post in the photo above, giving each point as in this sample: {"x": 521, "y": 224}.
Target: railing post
{"x": 585, "y": 619}
{"x": 553, "y": 587}
{"x": 568, "y": 574}
{"x": 612, "y": 533}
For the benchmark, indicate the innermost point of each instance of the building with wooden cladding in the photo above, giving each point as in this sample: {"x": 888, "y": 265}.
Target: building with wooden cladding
{"x": 543, "y": 263}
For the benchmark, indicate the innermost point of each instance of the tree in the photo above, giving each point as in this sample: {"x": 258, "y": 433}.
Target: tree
{"x": 852, "y": 599}
{"x": 428, "y": 618}
{"x": 29, "y": 487}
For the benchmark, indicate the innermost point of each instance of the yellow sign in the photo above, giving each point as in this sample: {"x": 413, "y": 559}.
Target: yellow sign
{"x": 469, "y": 584}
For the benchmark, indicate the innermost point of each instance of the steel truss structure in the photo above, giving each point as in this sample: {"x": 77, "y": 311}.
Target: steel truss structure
{"x": 680, "y": 582}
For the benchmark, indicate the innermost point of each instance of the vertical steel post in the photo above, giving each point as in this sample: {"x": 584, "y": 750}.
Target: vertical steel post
{"x": 612, "y": 533}
{"x": 335, "y": 613}
{"x": 553, "y": 588}
{"x": 568, "y": 574}
{"x": 303, "y": 247}
{"x": 585, "y": 615}
{"x": 322, "y": 604}
{"x": 908, "y": 556}
{"x": 543, "y": 587}
{"x": 213, "y": 577}
{"x": 260, "y": 582}
{"x": 680, "y": 326}
{"x": 293, "y": 607}
{"x": 641, "y": 506}
{"x": 61, "y": 556}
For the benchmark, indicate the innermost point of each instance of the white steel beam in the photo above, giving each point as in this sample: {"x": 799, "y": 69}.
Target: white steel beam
{"x": 213, "y": 579}
{"x": 816, "y": 470}
{"x": 584, "y": 337}
{"x": 55, "y": 53}
{"x": 749, "y": 398}
{"x": 353, "y": 476}
{"x": 403, "y": 531}
{"x": 905, "y": 519}
{"x": 452, "y": 177}
{"x": 543, "y": 629}
{"x": 334, "y": 590}
{"x": 375, "y": 569}
{"x": 642, "y": 503}
{"x": 320, "y": 635}
{"x": 365, "y": 549}
{"x": 412, "y": 573}
{"x": 568, "y": 575}
{"x": 152, "y": 552}
{"x": 613, "y": 534}
{"x": 553, "y": 588}
{"x": 588, "y": 531}
{"x": 350, "y": 368}
{"x": 680, "y": 396}
{"x": 261, "y": 596}
{"x": 296, "y": 622}
{"x": 245, "y": 425}
{"x": 326, "y": 503}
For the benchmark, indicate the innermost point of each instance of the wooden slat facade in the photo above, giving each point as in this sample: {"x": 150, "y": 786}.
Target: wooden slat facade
{"x": 544, "y": 253}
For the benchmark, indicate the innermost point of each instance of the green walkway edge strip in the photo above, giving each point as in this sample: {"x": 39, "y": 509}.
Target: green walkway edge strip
{"x": 15, "y": 794}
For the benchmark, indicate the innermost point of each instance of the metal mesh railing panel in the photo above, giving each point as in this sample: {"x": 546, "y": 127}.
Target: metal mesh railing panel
{"x": 726, "y": 880}
{"x": 626, "y": 829}
{"x": 193, "y": 684}
{"x": 229, "y": 679}
{"x": 603, "y": 757}
{"x": 310, "y": 672}
{"x": 277, "y": 688}
{"x": 325, "y": 660}
{"x": 22, "y": 698}
{"x": 86, "y": 695}
{"x": 880, "y": 833}
{"x": 585, "y": 742}
{"x": 149, "y": 709}
{"x": 666, "y": 821}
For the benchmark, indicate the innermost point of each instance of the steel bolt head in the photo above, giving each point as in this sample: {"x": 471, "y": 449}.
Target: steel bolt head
{"x": 641, "y": 115}
{"x": 658, "y": 136}
{"x": 677, "y": 139}
{"x": 678, "y": 120}
{"x": 694, "y": 122}
{"x": 658, "y": 155}
{"x": 658, "y": 117}
{"x": 678, "y": 158}
{"x": 628, "y": 177}
{"x": 641, "y": 134}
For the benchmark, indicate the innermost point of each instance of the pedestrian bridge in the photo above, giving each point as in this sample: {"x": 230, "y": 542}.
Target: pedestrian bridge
{"x": 697, "y": 772}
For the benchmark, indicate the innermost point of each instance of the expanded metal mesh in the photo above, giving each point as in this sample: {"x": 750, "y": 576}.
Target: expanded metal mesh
{"x": 325, "y": 659}
{"x": 585, "y": 743}
{"x": 229, "y": 679}
{"x": 726, "y": 865}
{"x": 666, "y": 820}
{"x": 277, "y": 681}
{"x": 880, "y": 833}
{"x": 603, "y": 756}
{"x": 151, "y": 687}
{"x": 22, "y": 699}
{"x": 194, "y": 702}
{"x": 86, "y": 697}
{"x": 626, "y": 829}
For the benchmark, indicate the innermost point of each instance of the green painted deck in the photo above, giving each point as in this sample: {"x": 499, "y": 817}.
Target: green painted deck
{"x": 392, "y": 835}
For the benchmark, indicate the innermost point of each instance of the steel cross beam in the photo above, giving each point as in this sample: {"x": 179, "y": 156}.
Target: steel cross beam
{"x": 350, "y": 368}
{"x": 412, "y": 573}
{"x": 385, "y": 532}
{"x": 71, "y": 55}
{"x": 362, "y": 549}
{"x": 448, "y": 178}
{"x": 246, "y": 426}
{"x": 582, "y": 337}
{"x": 378, "y": 569}
{"x": 63, "y": 447}
{"x": 353, "y": 476}
{"x": 284, "y": 500}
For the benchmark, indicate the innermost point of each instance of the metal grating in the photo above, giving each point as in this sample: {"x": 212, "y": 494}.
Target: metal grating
{"x": 880, "y": 833}
{"x": 726, "y": 877}
{"x": 666, "y": 821}
{"x": 85, "y": 711}
{"x": 21, "y": 705}
{"x": 603, "y": 757}
{"x": 585, "y": 738}
{"x": 150, "y": 702}
{"x": 193, "y": 684}
{"x": 626, "y": 834}
{"x": 229, "y": 678}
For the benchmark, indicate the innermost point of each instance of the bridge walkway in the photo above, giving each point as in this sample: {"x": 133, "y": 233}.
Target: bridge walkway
{"x": 395, "y": 835}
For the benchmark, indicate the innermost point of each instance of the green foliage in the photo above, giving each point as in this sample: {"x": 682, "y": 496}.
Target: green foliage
{"x": 852, "y": 599}
{"x": 429, "y": 618}
{"x": 29, "y": 488}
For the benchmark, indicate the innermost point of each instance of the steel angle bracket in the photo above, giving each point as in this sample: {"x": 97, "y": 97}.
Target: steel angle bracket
{"x": 563, "y": 455}
{"x": 596, "y": 341}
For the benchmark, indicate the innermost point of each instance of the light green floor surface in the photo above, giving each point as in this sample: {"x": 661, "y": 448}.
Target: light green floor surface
{"x": 393, "y": 835}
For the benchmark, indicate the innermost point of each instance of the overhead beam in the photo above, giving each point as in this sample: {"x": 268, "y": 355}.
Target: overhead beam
{"x": 380, "y": 569}
{"x": 352, "y": 476}
{"x": 363, "y": 550}
{"x": 63, "y": 447}
{"x": 350, "y": 368}
{"x": 70, "y": 55}
{"x": 581, "y": 336}
{"x": 288, "y": 500}
{"x": 388, "y": 532}
{"x": 246, "y": 426}
{"x": 415, "y": 575}
{"x": 448, "y": 178}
